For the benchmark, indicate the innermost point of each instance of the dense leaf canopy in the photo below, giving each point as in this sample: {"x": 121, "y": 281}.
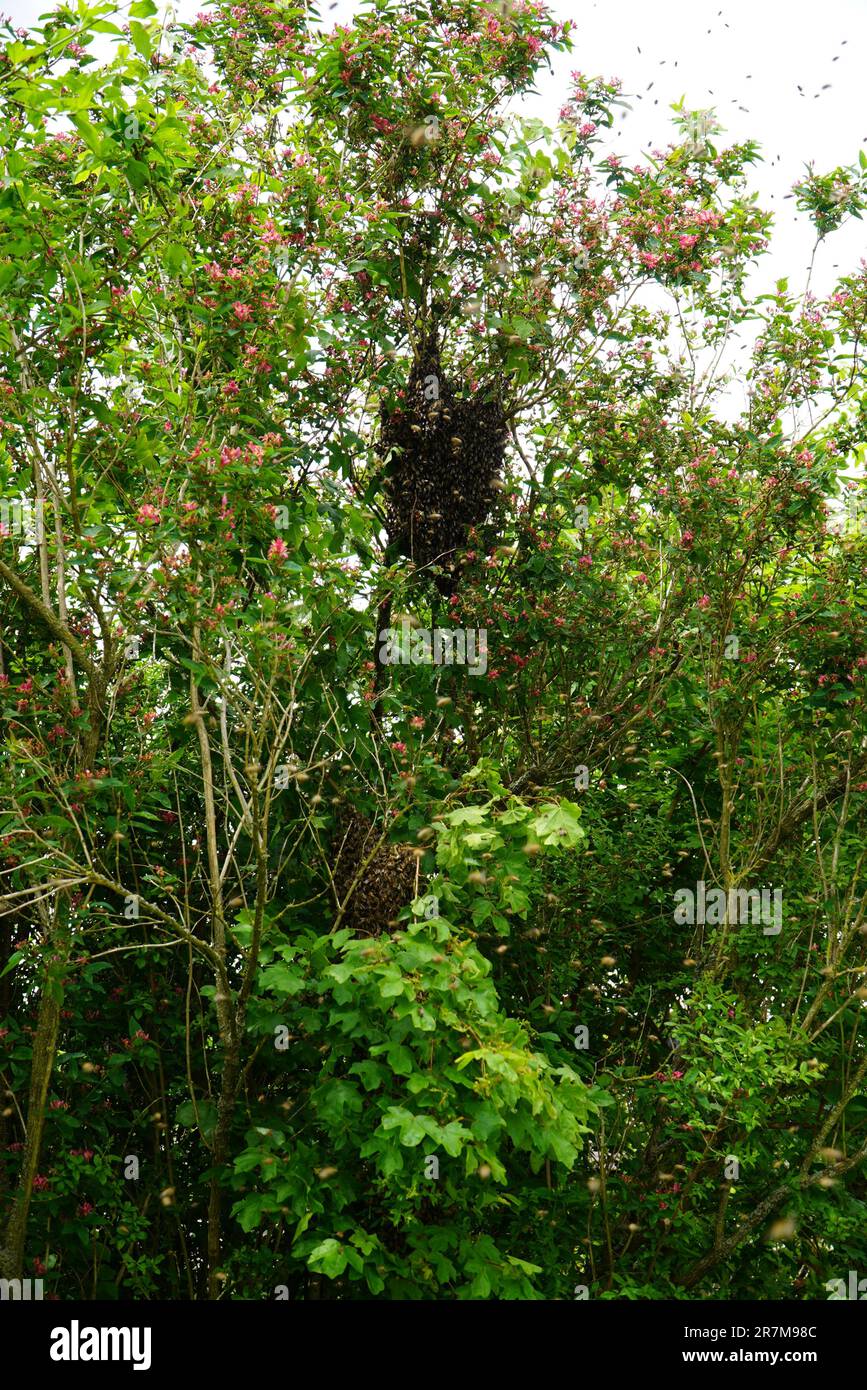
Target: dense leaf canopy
{"x": 334, "y": 972}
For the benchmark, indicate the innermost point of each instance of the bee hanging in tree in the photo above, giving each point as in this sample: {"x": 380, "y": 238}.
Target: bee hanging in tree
{"x": 371, "y": 893}
{"x": 443, "y": 455}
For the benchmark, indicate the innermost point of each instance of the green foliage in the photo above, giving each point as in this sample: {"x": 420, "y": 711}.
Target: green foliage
{"x": 221, "y": 245}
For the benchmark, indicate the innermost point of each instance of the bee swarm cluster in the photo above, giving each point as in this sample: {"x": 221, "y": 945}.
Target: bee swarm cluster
{"x": 387, "y": 884}
{"x": 443, "y": 456}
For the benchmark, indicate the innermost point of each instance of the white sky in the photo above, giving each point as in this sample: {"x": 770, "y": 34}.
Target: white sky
{"x": 757, "y": 62}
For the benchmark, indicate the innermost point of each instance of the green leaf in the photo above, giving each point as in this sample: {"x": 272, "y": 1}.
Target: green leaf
{"x": 177, "y": 259}
{"x": 283, "y": 978}
{"x": 251, "y": 1210}
{"x": 468, "y": 815}
{"x": 400, "y": 1059}
{"x": 11, "y": 963}
{"x": 137, "y": 172}
{"x": 413, "y": 1132}
{"x": 558, "y": 824}
{"x": 89, "y": 133}
{"x": 371, "y": 1073}
{"x": 141, "y": 38}
{"x": 328, "y": 1258}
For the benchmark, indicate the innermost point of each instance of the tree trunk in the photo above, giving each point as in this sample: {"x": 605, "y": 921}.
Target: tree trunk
{"x": 44, "y": 1051}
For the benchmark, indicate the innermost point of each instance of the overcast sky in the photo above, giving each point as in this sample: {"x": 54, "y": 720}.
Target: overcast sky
{"x": 752, "y": 54}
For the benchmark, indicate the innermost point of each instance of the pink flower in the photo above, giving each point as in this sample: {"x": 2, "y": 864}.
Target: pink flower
{"x": 242, "y": 311}
{"x": 40, "y": 1184}
{"x": 231, "y": 388}
{"x": 398, "y": 747}
{"x": 147, "y": 512}
{"x": 704, "y": 601}
{"x": 278, "y": 550}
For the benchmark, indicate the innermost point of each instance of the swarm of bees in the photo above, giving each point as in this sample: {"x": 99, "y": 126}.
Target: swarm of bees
{"x": 386, "y": 885}
{"x": 443, "y": 456}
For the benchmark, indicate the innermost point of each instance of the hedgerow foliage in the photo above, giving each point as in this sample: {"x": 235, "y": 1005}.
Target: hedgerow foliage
{"x": 518, "y": 1071}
